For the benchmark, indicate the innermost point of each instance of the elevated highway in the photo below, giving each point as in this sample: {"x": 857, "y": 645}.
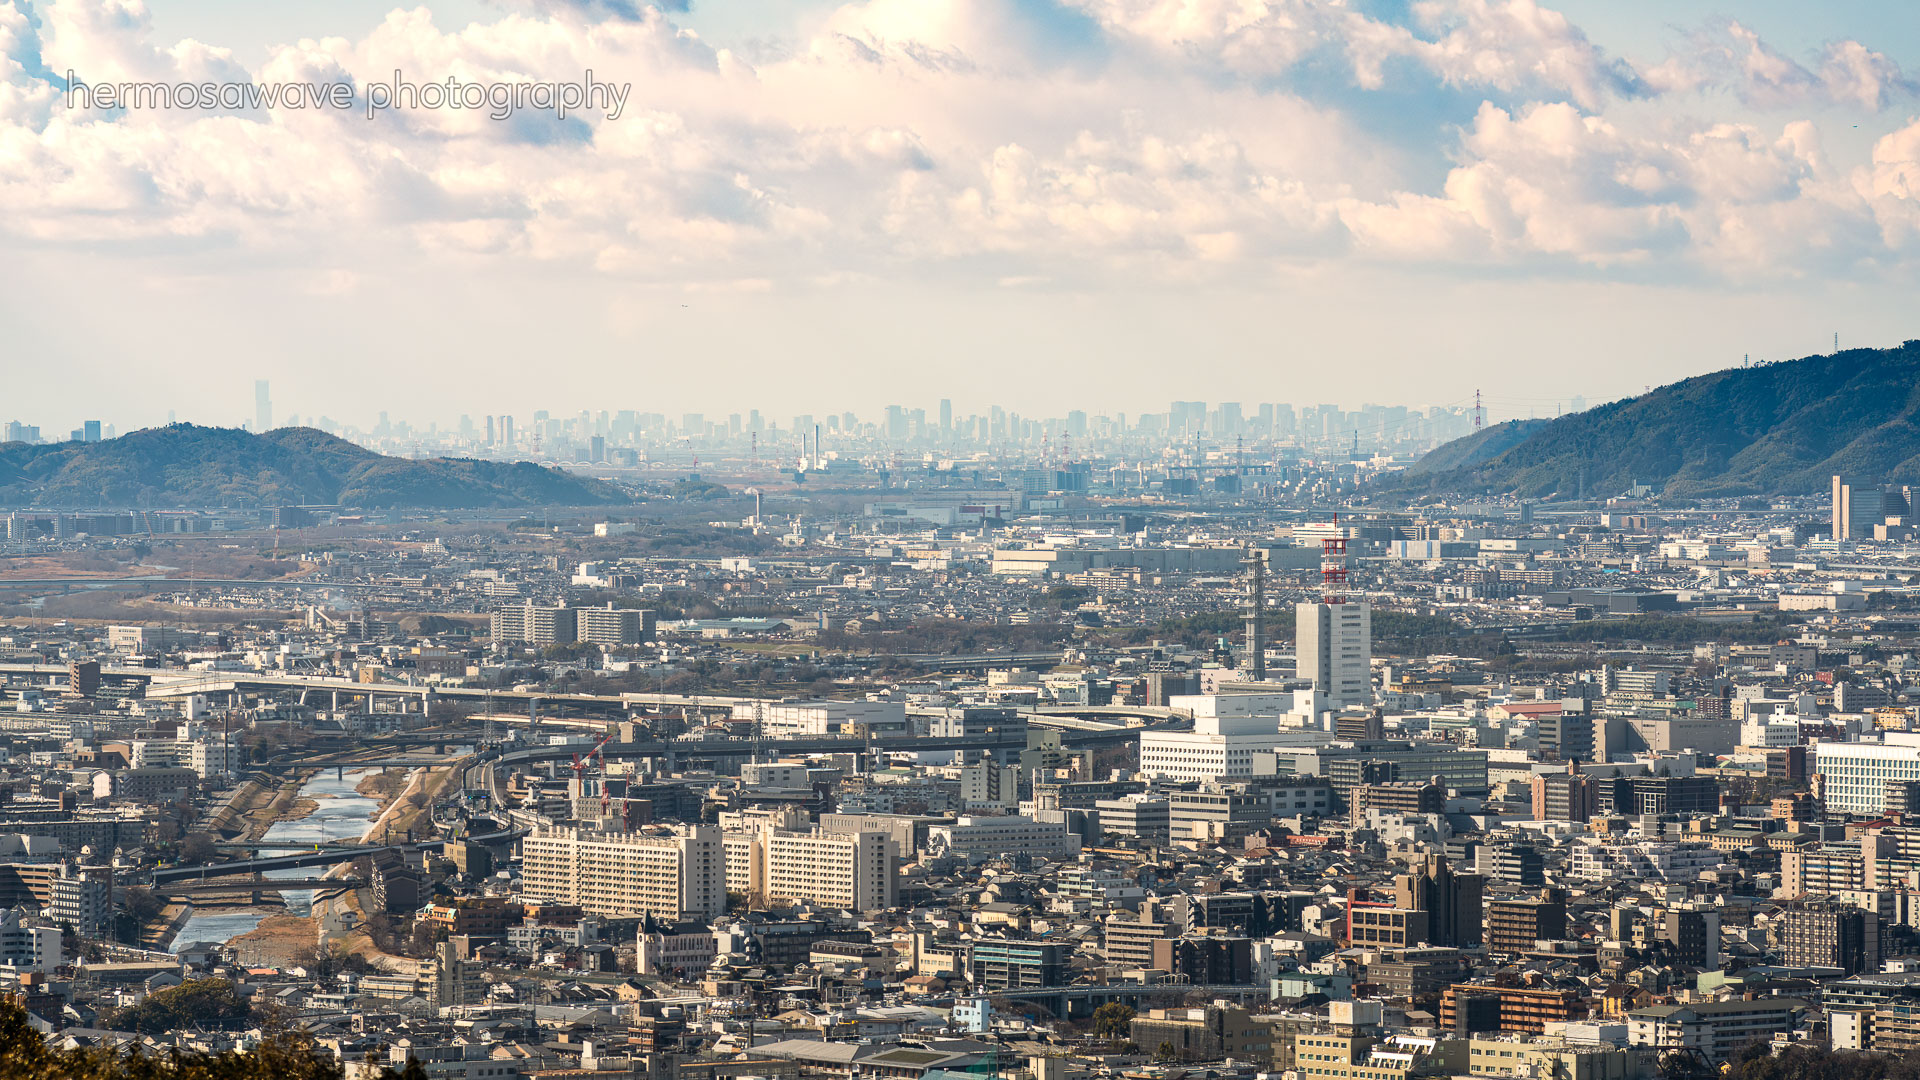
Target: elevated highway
{"x": 318, "y": 856}
{"x": 263, "y": 885}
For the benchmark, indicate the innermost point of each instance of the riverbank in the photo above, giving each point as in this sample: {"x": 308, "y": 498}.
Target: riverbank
{"x": 279, "y": 941}
{"x": 408, "y": 812}
{"x": 384, "y": 784}
{"x": 256, "y": 808}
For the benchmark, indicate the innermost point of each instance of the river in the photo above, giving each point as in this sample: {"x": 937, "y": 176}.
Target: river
{"x": 341, "y": 813}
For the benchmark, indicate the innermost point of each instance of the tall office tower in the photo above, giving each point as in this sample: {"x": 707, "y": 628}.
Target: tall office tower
{"x": 91, "y": 431}
{"x": 1186, "y": 417}
{"x": 1831, "y": 934}
{"x": 1452, "y": 901}
{"x": 1856, "y": 509}
{"x": 1565, "y": 796}
{"x": 1334, "y": 648}
{"x": 946, "y": 416}
{"x": 489, "y": 430}
{"x": 262, "y": 406}
{"x": 506, "y": 430}
{"x": 896, "y": 422}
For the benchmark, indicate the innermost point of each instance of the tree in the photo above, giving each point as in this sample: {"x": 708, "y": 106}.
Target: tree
{"x": 1166, "y": 1052}
{"x": 25, "y": 1055}
{"x": 1112, "y": 1020}
{"x": 197, "y": 848}
{"x": 197, "y": 1002}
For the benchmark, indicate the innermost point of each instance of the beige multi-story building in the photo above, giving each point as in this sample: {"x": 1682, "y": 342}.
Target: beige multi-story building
{"x": 674, "y": 874}
{"x": 610, "y": 625}
{"x": 851, "y": 871}
{"x": 536, "y": 625}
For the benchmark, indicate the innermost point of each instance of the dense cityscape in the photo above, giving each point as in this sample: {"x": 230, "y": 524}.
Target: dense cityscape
{"x": 941, "y": 747}
{"x": 959, "y": 540}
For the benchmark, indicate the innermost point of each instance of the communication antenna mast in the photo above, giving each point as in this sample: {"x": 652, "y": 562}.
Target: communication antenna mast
{"x": 1479, "y": 414}
{"x": 1333, "y": 565}
{"x": 1255, "y": 617}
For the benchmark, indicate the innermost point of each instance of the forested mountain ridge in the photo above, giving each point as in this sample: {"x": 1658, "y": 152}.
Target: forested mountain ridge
{"x": 188, "y": 465}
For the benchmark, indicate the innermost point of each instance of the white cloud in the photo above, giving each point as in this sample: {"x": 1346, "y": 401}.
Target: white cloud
{"x": 936, "y": 137}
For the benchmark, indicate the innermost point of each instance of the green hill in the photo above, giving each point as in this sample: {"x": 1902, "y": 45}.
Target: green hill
{"x": 186, "y": 465}
{"x": 1484, "y": 445}
{"x": 1774, "y": 429}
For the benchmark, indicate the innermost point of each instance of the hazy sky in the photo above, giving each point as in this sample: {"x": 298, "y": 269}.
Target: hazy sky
{"x": 1045, "y": 204}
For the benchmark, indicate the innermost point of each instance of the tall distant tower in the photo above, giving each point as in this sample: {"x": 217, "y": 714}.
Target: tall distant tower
{"x": 1856, "y": 509}
{"x": 1254, "y": 620}
{"x": 1334, "y": 648}
{"x": 262, "y": 406}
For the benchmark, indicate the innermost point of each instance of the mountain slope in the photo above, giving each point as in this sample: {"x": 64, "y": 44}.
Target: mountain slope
{"x": 1781, "y": 428}
{"x": 185, "y": 465}
{"x": 1469, "y": 450}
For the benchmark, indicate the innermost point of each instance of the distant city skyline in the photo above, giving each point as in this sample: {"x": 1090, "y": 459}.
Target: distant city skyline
{"x": 1213, "y": 418}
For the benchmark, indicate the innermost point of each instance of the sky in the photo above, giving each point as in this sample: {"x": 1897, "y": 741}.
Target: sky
{"x": 1047, "y": 205}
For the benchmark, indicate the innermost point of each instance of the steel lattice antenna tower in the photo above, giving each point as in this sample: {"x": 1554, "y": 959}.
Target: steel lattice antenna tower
{"x": 1254, "y": 620}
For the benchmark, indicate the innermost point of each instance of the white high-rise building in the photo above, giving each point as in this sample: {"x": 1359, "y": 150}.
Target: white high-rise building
{"x": 213, "y": 757}
{"x": 1854, "y": 776}
{"x": 850, "y": 871}
{"x": 1334, "y": 648}
{"x": 1218, "y": 747}
{"x": 27, "y": 943}
{"x": 672, "y": 875}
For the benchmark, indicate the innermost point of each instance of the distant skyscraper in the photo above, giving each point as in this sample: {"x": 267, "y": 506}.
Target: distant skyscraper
{"x": 1856, "y": 509}
{"x": 1334, "y": 648}
{"x": 946, "y": 416}
{"x": 92, "y": 431}
{"x": 262, "y": 407}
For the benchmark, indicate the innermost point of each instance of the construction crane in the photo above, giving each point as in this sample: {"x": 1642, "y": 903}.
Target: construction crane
{"x": 580, "y": 771}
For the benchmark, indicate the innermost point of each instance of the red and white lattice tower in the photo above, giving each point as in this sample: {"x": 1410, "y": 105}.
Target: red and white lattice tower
{"x": 1479, "y": 414}
{"x": 1333, "y": 566}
